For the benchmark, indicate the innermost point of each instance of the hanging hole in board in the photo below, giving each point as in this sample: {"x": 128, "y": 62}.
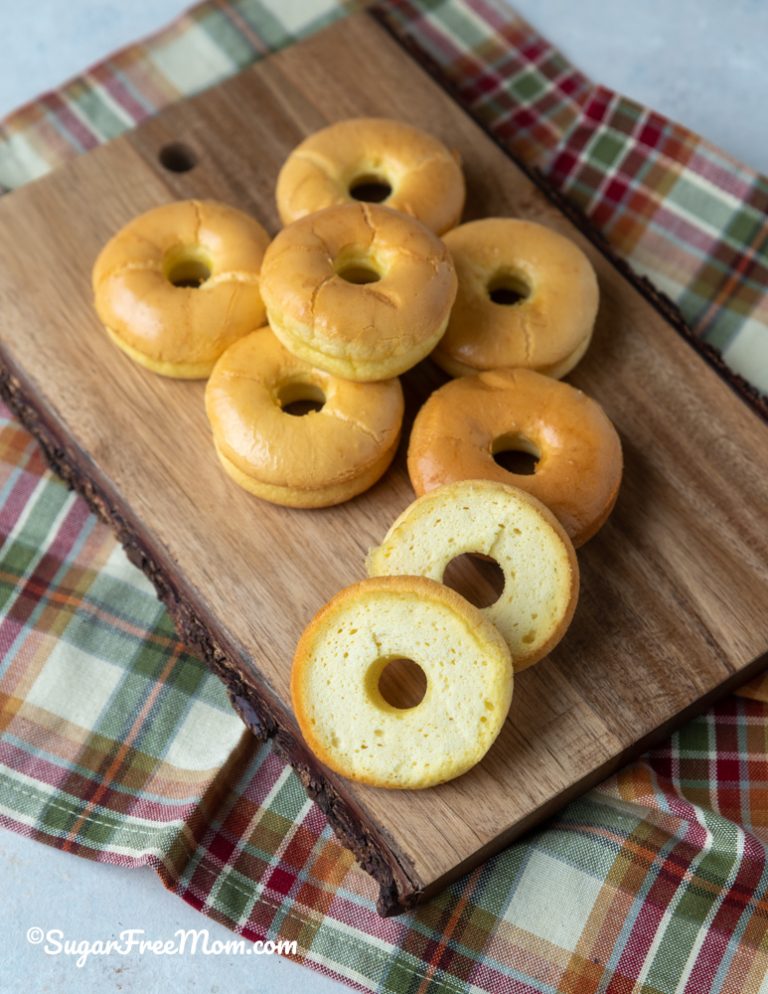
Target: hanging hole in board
{"x": 177, "y": 157}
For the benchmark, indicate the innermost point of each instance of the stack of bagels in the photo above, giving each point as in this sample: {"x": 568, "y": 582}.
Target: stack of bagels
{"x": 302, "y": 340}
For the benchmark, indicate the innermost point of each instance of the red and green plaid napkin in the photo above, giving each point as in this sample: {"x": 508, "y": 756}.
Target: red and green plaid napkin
{"x": 118, "y": 745}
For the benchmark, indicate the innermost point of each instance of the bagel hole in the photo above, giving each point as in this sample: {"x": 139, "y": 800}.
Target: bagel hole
{"x": 477, "y": 577}
{"x": 359, "y": 273}
{"x": 370, "y": 188}
{"x": 298, "y": 399}
{"x": 516, "y": 453}
{"x": 402, "y": 683}
{"x": 177, "y": 157}
{"x": 190, "y": 274}
{"x": 507, "y": 289}
{"x": 187, "y": 266}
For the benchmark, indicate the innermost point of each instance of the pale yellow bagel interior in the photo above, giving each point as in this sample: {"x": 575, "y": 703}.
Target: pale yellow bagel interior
{"x": 320, "y": 458}
{"x": 336, "y": 689}
{"x": 140, "y": 294}
{"x": 537, "y": 559}
{"x": 322, "y": 307}
{"x": 424, "y": 177}
{"x": 548, "y": 329}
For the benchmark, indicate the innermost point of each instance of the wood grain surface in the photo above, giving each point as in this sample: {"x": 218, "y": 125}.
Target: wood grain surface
{"x": 674, "y": 603}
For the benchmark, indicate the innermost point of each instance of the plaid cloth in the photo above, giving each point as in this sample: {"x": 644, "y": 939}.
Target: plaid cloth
{"x": 118, "y": 745}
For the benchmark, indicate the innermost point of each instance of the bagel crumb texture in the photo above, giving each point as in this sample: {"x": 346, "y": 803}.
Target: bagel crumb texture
{"x": 541, "y": 575}
{"x": 344, "y": 717}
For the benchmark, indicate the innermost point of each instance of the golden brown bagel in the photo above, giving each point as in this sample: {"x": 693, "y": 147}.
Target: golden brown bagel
{"x": 340, "y": 700}
{"x": 178, "y": 284}
{"x": 467, "y": 421}
{"x": 335, "y": 165}
{"x": 360, "y": 290}
{"x": 321, "y": 458}
{"x": 548, "y": 329}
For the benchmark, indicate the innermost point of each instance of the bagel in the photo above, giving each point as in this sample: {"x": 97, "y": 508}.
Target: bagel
{"x": 468, "y": 421}
{"x": 179, "y": 283}
{"x": 359, "y": 290}
{"x": 321, "y": 458}
{"x": 504, "y": 523}
{"x": 373, "y": 158}
{"x": 527, "y": 298}
{"x": 339, "y": 699}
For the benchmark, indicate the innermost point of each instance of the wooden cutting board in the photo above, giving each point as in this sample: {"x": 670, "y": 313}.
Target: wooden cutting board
{"x": 674, "y": 604}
